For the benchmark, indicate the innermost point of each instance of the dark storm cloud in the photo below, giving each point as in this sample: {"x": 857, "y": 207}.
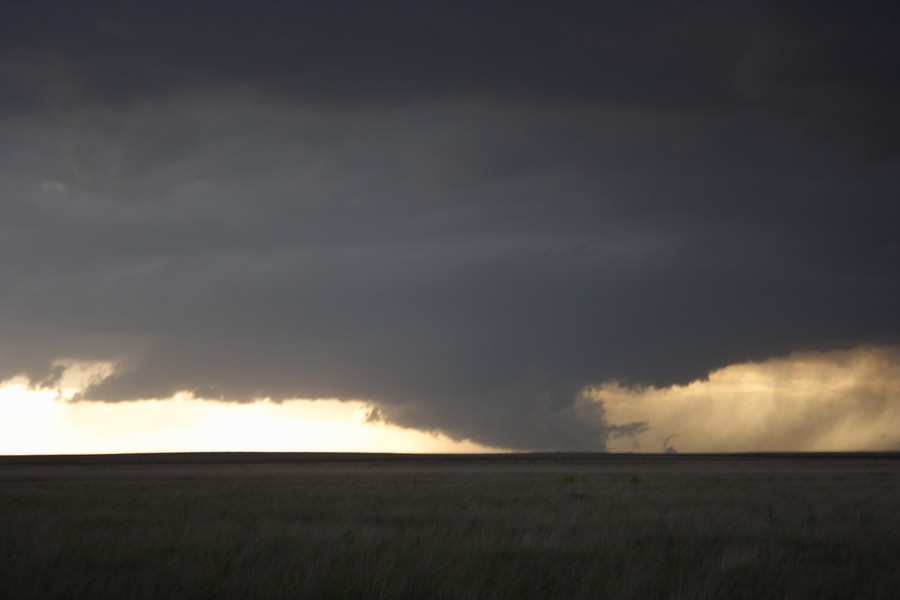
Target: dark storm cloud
{"x": 672, "y": 54}
{"x": 465, "y": 214}
{"x": 357, "y": 52}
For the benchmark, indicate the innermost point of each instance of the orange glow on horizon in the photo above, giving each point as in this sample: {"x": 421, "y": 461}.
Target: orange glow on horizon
{"x": 835, "y": 401}
{"x": 42, "y": 422}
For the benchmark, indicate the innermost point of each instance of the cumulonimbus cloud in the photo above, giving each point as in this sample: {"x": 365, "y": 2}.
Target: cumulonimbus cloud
{"x": 462, "y": 230}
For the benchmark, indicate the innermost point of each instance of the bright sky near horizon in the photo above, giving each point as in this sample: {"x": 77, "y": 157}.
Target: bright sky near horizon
{"x": 40, "y": 422}
{"x": 837, "y": 401}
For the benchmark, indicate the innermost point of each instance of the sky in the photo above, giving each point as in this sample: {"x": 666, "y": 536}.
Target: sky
{"x": 449, "y": 226}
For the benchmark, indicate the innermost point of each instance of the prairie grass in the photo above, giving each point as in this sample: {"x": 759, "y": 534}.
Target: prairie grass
{"x": 583, "y": 526}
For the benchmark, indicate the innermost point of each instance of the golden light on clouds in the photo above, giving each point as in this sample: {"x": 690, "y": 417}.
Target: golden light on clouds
{"x": 43, "y": 422}
{"x": 835, "y": 401}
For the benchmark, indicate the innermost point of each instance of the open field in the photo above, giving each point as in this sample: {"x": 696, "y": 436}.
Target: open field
{"x": 507, "y": 526}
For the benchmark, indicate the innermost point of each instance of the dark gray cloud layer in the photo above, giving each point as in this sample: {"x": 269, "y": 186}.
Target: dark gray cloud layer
{"x": 464, "y": 213}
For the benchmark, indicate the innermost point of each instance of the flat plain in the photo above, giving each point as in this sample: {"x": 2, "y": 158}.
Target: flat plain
{"x": 450, "y": 526}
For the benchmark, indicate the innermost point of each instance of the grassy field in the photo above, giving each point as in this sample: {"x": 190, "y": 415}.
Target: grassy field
{"x": 519, "y": 526}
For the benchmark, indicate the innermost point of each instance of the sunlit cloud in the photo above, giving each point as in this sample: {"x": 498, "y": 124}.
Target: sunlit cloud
{"x": 835, "y": 401}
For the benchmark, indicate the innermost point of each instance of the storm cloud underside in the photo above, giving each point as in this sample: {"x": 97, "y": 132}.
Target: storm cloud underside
{"x": 464, "y": 215}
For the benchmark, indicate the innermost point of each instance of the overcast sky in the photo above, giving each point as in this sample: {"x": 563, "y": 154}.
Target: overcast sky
{"x": 462, "y": 213}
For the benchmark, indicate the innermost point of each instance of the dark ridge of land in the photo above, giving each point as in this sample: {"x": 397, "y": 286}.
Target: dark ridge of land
{"x": 201, "y": 458}
{"x": 291, "y": 466}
